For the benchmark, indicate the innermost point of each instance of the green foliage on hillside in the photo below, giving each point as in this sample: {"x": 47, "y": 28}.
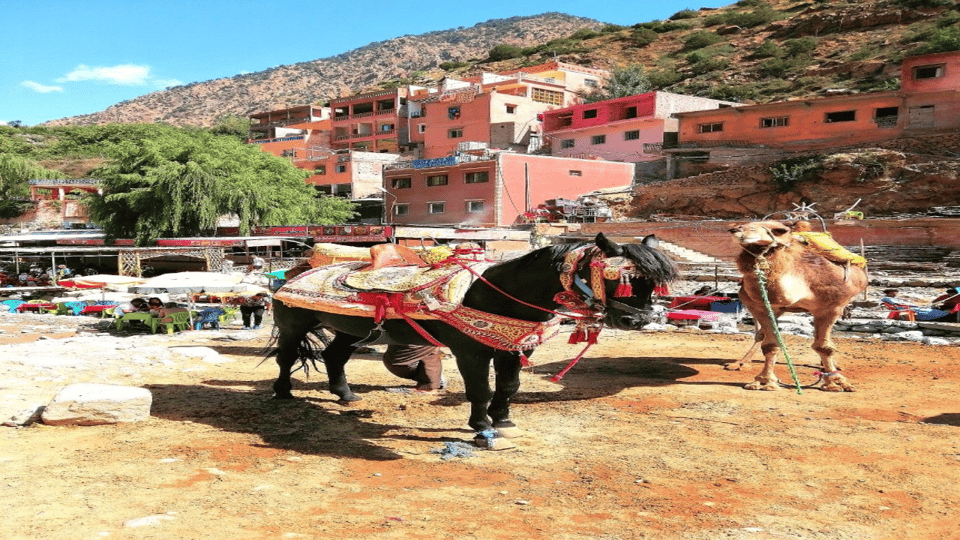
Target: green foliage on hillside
{"x": 15, "y": 174}
{"x": 626, "y": 81}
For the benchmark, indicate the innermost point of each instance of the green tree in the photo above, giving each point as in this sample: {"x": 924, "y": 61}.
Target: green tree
{"x": 15, "y": 175}
{"x": 232, "y": 124}
{"x": 626, "y": 81}
{"x": 504, "y": 51}
{"x": 179, "y": 184}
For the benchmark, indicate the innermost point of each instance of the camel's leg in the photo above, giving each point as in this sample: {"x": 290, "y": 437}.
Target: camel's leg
{"x": 834, "y": 381}
{"x": 767, "y": 378}
{"x": 747, "y": 358}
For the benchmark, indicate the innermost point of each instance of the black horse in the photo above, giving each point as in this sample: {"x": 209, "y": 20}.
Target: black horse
{"x": 604, "y": 282}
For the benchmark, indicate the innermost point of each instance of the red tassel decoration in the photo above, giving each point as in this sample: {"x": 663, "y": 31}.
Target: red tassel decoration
{"x": 577, "y": 336}
{"x": 524, "y": 361}
{"x": 592, "y": 335}
{"x": 624, "y": 288}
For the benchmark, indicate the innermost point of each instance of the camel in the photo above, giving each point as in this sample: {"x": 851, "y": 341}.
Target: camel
{"x": 799, "y": 278}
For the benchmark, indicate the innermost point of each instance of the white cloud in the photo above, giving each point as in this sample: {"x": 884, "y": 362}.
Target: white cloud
{"x": 126, "y": 74}
{"x": 42, "y": 88}
{"x": 166, "y": 83}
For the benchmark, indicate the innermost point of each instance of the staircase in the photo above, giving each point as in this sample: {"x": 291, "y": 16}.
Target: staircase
{"x": 688, "y": 255}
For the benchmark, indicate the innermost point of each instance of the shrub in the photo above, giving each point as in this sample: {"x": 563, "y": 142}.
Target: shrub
{"x": 701, "y": 39}
{"x": 800, "y": 46}
{"x": 504, "y": 52}
{"x": 643, "y": 36}
{"x": 710, "y": 64}
{"x": 662, "y": 27}
{"x": 663, "y": 78}
{"x": 584, "y": 33}
{"x": 789, "y": 172}
{"x": 768, "y": 49}
{"x": 685, "y": 14}
{"x": 763, "y": 14}
{"x": 927, "y": 3}
{"x": 611, "y": 28}
{"x": 447, "y": 66}
{"x": 943, "y": 40}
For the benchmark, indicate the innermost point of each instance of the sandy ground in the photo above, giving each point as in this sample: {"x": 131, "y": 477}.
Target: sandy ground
{"x": 648, "y": 437}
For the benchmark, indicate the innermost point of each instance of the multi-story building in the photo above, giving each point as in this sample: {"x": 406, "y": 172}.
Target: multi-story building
{"x": 498, "y": 110}
{"x": 373, "y": 122}
{"x": 490, "y": 189}
{"x": 348, "y": 173}
{"x": 279, "y": 124}
{"x": 618, "y": 129}
{"x": 927, "y": 101}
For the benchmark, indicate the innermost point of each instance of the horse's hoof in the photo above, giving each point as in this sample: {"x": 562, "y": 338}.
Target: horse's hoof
{"x": 349, "y": 398}
{"x": 492, "y": 440}
{"x": 287, "y": 395}
{"x": 510, "y": 432}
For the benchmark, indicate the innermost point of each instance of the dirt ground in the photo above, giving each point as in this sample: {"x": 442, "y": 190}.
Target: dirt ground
{"x": 648, "y": 437}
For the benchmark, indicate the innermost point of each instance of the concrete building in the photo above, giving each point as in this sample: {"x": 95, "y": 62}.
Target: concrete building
{"x": 490, "y": 189}
{"x": 373, "y": 122}
{"x": 619, "y": 129}
{"x": 927, "y": 102}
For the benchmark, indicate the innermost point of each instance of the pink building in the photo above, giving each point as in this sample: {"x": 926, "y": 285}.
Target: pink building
{"x": 373, "y": 122}
{"x": 490, "y": 190}
{"x": 928, "y": 101}
{"x": 618, "y": 129}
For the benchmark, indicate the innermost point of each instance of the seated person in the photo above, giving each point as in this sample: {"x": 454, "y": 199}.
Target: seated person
{"x": 137, "y": 304}
{"x": 921, "y": 313}
{"x": 163, "y": 312}
{"x": 949, "y": 300}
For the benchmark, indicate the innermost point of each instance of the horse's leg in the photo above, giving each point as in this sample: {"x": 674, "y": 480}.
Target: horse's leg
{"x": 507, "y": 367}
{"x": 335, "y": 357}
{"x": 292, "y": 328}
{"x": 767, "y": 378}
{"x": 823, "y": 344}
{"x": 474, "y": 366}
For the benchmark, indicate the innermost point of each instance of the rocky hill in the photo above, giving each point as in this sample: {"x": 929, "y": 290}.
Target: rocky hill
{"x": 201, "y": 103}
{"x": 750, "y": 51}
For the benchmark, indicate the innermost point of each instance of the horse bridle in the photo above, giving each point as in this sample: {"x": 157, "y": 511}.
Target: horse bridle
{"x": 592, "y": 296}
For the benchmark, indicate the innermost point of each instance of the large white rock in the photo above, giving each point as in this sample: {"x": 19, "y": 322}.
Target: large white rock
{"x": 89, "y": 404}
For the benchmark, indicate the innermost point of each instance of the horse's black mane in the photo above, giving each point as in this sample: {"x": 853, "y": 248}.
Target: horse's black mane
{"x": 649, "y": 261}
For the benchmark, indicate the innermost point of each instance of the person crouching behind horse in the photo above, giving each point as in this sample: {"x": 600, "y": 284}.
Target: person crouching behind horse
{"x": 422, "y": 364}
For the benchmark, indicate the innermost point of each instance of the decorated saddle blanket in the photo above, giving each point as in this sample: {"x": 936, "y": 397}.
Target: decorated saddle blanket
{"x": 824, "y": 244}
{"x": 396, "y": 291}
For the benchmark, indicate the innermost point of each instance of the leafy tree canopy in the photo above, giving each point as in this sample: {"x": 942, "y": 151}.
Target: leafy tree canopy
{"x": 180, "y": 183}
{"x": 15, "y": 175}
{"x": 626, "y": 81}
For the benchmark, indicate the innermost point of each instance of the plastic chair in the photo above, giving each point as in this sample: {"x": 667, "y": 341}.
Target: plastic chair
{"x": 229, "y": 314}
{"x": 14, "y": 305}
{"x": 179, "y": 321}
{"x": 210, "y": 316}
{"x": 70, "y": 308}
{"x": 896, "y": 311}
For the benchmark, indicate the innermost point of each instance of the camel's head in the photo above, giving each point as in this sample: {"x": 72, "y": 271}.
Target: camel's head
{"x": 762, "y": 234}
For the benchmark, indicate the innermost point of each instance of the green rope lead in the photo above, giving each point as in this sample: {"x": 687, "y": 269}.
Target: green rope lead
{"x": 762, "y": 281}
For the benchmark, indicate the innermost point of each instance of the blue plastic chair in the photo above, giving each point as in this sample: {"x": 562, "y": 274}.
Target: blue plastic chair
{"x": 209, "y": 316}
{"x": 14, "y": 305}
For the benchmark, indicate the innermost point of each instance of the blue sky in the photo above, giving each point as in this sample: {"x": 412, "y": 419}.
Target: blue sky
{"x": 70, "y": 57}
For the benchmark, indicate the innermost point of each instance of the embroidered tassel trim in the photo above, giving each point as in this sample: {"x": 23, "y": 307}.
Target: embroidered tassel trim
{"x": 524, "y": 361}
{"x": 624, "y": 288}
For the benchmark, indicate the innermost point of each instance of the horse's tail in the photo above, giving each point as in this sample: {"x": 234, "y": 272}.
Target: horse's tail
{"x": 308, "y": 350}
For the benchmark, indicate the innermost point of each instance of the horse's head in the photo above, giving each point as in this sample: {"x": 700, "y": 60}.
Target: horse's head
{"x": 630, "y": 273}
{"x": 761, "y": 236}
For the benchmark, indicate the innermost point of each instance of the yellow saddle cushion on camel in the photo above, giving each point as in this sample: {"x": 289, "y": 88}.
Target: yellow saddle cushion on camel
{"x": 825, "y": 245}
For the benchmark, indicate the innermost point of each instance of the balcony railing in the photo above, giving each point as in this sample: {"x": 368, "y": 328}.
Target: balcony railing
{"x": 278, "y": 139}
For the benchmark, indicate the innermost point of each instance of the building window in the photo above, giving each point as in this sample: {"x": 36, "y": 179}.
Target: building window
{"x": 401, "y": 183}
{"x": 576, "y": 173}
{"x": 320, "y": 169}
{"x": 401, "y": 209}
{"x": 886, "y": 117}
{"x": 478, "y": 177}
{"x": 928, "y": 72}
{"x": 591, "y": 83}
{"x": 437, "y": 180}
{"x": 841, "y": 116}
{"x": 776, "y": 121}
{"x": 455, "y": 133}
{"x": 435, "y": 208}
{"x": 629, "y": 112}
{"x": 710, "y": 128}
{"x": 421, "y": 128}
{"x": 341, "y": 168}
{"x": 453, "y": 113}
{"x": 598, "y": 139}
{"x": 289, "y": 153}
{"x": 590, "y": 113}
{"x": 566, "y": 143}
{"x": 547, "y": 96}
{"x": 474, "y": 207}
{"x": 511, "y": 109}
{"x": 631, "y": 135}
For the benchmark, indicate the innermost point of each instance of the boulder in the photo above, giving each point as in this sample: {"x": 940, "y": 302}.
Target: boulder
{"x": 89, "y": 404}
